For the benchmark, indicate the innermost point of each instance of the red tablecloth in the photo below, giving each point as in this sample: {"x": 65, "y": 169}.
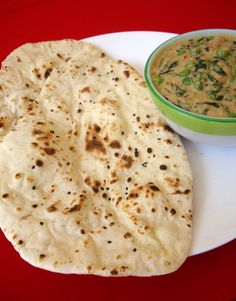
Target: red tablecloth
{"x": 209, "y": 276}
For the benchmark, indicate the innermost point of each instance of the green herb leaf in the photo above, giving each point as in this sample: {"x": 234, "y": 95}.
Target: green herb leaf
{"x": 173, "y": 65}
{"x": 194, "y": 52}
{"x": 184, "y": 73}
{"x": 220, "y": 97}
{"x": 222, "y": 52}
{"x": 169, "y": 68}
{"x": 231, "y": 115}
{"x": 199, "y": 41}
{"x": 180, "y": 51}
{"x": 201, "y": 64}
{"x": 203, "y": 76}
{"x": 179, "y": 91}
{"x": 218, "y": 69}
{"x": 216, "y": 87}
{"x": 186, "y": 81}
{"x": 212, "y": 95}
{"x": 197, "y": 85}
{"x": 214, "y": 104}
{"x": 189, "y": 66}
{"x": 233, "y": 78}
{"x": 211, "y": 78}
{"x": 157, "y": 79}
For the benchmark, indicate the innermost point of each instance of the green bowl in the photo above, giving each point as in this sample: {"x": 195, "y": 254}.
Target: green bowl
{"x": 198, "y": 128}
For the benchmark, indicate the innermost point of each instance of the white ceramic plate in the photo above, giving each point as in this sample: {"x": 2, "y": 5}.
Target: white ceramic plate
{"x": 214, "y": 168}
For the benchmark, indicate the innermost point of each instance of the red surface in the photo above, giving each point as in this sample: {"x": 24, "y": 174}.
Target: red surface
{"x": 209, "y": 276}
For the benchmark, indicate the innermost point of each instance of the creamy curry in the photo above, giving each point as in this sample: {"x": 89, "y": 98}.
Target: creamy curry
{"x": 199, "y": 75}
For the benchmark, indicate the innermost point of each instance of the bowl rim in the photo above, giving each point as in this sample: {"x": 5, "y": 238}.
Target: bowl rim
{"x": 165, "y": 44}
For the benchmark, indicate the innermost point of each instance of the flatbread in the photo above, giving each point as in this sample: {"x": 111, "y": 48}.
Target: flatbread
{"x": 93, "y": 181}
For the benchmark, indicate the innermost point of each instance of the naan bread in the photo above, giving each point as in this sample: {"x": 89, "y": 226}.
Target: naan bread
{"x": 93, "y": 181}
